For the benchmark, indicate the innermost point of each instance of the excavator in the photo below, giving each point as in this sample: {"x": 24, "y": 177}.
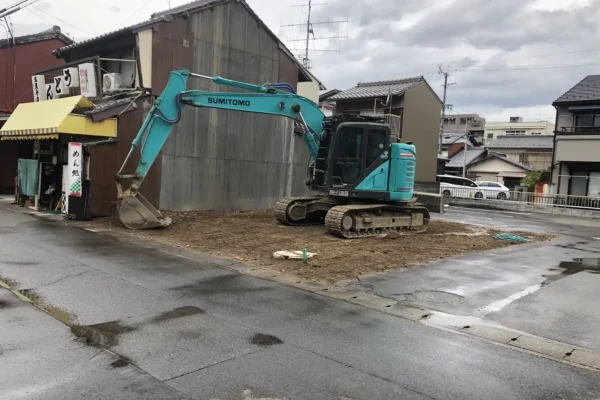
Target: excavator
{"x": 363, "y": 178}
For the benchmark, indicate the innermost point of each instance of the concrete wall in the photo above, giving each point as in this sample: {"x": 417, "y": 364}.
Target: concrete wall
{"x": 144, "y": 43}
{"x": 219, "y": 159}
{"x": 500, "y": 128}
{"x": 564, "y": 118}
{"x": 524, "y": 207}
{"x": 583, "y": 148}
{"x": 421, "y": 125}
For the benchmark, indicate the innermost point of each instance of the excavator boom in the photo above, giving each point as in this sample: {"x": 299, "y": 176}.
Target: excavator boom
{"x": 134, "y": 210}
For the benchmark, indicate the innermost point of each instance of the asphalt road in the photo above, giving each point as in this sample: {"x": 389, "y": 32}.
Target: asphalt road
{"x": 178, "y": 327}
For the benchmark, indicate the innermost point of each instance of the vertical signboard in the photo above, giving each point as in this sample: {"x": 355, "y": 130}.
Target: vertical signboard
{"x": 65, "y": 189}
{"x": 87, "y": 80}
{"x": 50, "y": 91}
{"x": 38, "y": 83}
{"x": 75, "y": 172}
{"x": 71, "y": 77}
{"x": 59, "y": 86}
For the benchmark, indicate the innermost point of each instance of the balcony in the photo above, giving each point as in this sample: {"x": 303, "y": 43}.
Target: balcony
{"x": 579, "y": 130}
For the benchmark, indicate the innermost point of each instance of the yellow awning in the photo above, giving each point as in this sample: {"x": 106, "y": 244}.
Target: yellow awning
{"x": 46, "y": 119}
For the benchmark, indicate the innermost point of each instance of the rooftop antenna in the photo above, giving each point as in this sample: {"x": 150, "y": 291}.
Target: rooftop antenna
{"x": 309, "y": 26}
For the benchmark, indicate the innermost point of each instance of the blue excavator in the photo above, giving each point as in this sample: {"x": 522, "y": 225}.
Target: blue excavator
{"x": 364, "y": 178}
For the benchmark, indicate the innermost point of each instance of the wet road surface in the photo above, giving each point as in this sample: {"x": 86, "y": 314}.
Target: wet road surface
{"x": 185, "y": 327}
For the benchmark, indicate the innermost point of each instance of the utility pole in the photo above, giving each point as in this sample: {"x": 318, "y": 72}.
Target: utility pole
{"x": 444, "y": 106}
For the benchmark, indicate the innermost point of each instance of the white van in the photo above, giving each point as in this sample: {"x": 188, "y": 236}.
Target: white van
{"x": 457, "y": 186}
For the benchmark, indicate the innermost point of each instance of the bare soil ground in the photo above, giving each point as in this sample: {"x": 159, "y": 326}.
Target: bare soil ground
{"x": 253, "y": 237}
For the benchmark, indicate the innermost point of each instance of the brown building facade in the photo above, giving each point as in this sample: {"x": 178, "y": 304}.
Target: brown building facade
{"x": 19, "y": 60}
{"x": 214, "y": 159}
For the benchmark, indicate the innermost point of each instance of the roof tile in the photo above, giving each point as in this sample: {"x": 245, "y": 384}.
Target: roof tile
{"x": 522, "y": 142}
{"x": 367, "y": 90}
{"x": 588, "y": 89}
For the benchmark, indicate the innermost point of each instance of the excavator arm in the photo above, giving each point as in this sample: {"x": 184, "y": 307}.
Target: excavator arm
{"x": 134, "y": 210}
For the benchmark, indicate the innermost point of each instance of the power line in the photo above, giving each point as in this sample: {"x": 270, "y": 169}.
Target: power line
{"x": 144, "y": 4}
{"x": 61, "y": 20}
{"x": 526, "y": 67}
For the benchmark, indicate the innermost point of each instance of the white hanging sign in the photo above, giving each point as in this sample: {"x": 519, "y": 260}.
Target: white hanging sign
{"x": 71, "y": 77}
{"x": 75, "y": 171}
{"x": 65, "y": 189}
{"x": 38, "y": 83}
{"x": 87, "y": 80}
{"x": 50, "y": 91}
{"x": 60, "y": 88}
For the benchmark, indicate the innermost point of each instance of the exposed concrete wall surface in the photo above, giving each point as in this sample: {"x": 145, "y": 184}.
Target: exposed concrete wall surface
{"x": 144, "y": 42}
{"x": 310, "y": 90}
{"x": 421, "y": 125}
{"x": 230, "y": 160}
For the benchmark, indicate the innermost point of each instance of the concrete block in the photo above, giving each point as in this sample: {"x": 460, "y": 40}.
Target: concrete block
{"x": 542, "y": 346}
{"x": 492, "y": 333}
{"x": 585, "y": 357}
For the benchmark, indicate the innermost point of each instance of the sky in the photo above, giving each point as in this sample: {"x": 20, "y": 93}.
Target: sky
{"x": 505, "y": 57}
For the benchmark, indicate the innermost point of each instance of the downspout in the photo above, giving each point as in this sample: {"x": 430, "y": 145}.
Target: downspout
{"x": 554, "y": 152}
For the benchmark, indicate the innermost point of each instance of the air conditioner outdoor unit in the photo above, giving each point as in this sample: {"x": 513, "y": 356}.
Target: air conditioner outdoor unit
{"x": 111, "y": 81}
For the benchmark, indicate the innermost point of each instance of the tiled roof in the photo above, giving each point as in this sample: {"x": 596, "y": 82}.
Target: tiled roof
{"x": 505, "y": 159}
{"x": 522, "y": 142}
{"x": 328, "y": 94}
{"x": 367, "y": 90}
{"x": 49, "y": 34}
{"x": 118, "y": 32}
{"x": 458, "y": 159}
{"x": 167, "y": 15}
{"x": 586, "y": 90}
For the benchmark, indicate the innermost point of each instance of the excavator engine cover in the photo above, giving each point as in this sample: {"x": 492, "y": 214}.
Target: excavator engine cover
{"x": 135, "y": 212}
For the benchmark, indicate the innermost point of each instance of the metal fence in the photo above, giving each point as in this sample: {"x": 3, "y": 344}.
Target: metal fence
{"x": 514, "y": 198}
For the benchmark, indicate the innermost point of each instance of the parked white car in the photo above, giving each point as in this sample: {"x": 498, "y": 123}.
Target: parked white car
{"x": 457, "y": 186}
{"x": 494, "y": 190}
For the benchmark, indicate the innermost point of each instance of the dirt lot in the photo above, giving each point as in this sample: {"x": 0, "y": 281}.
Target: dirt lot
{"x": 253, "y": 237}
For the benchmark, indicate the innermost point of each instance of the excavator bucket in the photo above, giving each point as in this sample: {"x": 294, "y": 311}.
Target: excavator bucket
{"x": 135, "y": 212}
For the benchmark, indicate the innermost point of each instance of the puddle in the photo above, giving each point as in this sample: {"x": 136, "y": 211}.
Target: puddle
{"x": 102, "y": 335}
{"x": 4, "y": 304}
{"x": 581, "y": 264}
{"x": 178, "y": 313}
{"x": 260, "y": 339}
{"x": 591, "y": 265}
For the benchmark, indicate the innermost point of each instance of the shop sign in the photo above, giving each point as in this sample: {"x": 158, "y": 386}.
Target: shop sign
{"x": 38, "y": 83}
{"x": 59, "y": 86}
{"x": 50, "y": 91}
{"x": 71, "y": 76}
{"x": 75, "y": 171}
{"x": 87, "y": 80}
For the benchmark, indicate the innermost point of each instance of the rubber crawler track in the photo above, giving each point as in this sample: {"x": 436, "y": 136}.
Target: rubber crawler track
{"x": 281, "y": 207}
{"x": 333, "y": 220}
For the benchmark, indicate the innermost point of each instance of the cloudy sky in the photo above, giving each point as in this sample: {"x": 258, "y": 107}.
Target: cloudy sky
{"x": 506, "y": 57}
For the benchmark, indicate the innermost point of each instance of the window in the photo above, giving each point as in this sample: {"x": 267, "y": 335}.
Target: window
{"x": 584, "y": 120}
{"x": 578, "y": 183}
{"x": 490, "y": 136}
{"x": 347, "y": 154}
{"x": 463, "y": 121}
{"x": 515, "y": 133}
{"x": 483, "y": 184}
{"x": 375, "y": 145}
{"x": 524, "y": 158}
{"x": 494, "y": 185}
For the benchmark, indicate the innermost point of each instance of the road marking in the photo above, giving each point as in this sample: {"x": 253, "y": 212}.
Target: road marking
{"x": 500, "y": 304}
